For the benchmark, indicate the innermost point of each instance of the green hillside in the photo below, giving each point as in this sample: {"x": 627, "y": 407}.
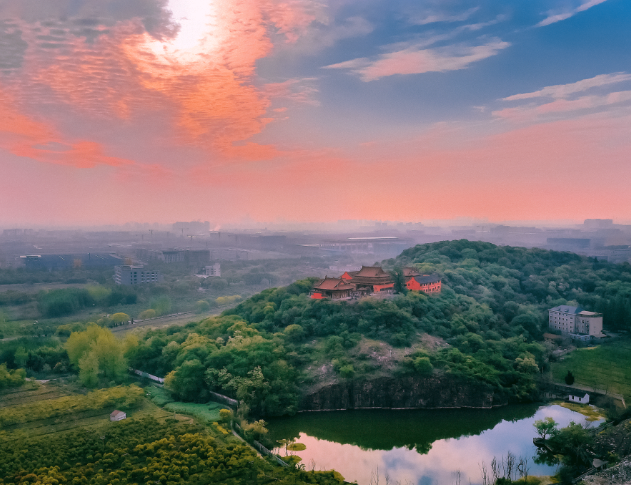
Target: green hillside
{"x": 485, "y": 326}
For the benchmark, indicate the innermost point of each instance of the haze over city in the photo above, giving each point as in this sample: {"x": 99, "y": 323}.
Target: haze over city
{"x": 312, "y": 111}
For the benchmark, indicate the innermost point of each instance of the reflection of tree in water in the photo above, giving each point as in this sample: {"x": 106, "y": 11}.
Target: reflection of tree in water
{"x": 423, "y": 448}
{"x": 546, "y": 457}
{"x": 387, "y": 429}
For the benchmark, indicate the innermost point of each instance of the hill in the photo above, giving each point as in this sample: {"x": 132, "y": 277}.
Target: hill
{"x": 484, "y": 330}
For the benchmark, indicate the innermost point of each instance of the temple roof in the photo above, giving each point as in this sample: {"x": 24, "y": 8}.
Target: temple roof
{"x": 427, "y": 279}
{"x": 333, "y": 284}
{"x": 371, "y": 272}
{"x": 410, "y": 272}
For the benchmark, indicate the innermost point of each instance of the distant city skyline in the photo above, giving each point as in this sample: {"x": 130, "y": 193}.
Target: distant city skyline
{"x": 314, "y": 111}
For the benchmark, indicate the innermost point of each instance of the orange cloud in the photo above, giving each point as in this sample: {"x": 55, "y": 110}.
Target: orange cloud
{"x": 201, "y": 79}
{"x": 26, "y": 137}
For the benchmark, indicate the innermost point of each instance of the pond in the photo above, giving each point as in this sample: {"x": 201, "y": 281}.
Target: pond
{"x": 419, "y": 447}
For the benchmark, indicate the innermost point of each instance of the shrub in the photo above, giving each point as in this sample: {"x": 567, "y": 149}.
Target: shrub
{"x": 202, "y": 306}
{"x": 423, "y": 366}
{"x": 151, "y": 313}
{"x": 347, "y": 371}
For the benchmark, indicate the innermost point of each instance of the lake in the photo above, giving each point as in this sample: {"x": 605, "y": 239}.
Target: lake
{"x": 419, "y": 447}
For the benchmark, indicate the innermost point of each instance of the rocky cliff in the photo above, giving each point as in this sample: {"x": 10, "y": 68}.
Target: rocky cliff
{"x": 400, "y": 393}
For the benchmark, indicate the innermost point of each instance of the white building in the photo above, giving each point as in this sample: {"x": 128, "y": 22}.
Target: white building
{"x": 117, "y": 415}
{"x": 576, "y": 322}
{"x": 579, "y": 399}
{"x": 128, "y": 274}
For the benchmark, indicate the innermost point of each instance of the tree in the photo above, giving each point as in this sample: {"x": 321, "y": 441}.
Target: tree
{"x": 226, "y": 415}
{"x": 20, "y": 357}
{"x": 545, "y": 427}
{"x": 187, "y": 380}
{"x": 119, "y": 318}
{"x": 294, "y": 332}
{"x": 151, "y": 313}
{"x": 96, "y": 351}
{"x": 161, "y": 305}
{"x": 89, "y": 370}
{"x": 202, "y": 306}
{"x": 399, "y": 280}
{"x": 423, "y": 366}
{"x": 569, "y": 378}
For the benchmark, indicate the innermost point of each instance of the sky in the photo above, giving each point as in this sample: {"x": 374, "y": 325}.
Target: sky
{"x": 314, "y": 110}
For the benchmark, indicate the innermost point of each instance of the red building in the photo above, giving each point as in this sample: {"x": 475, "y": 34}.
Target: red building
{"x": 426, "y": 283}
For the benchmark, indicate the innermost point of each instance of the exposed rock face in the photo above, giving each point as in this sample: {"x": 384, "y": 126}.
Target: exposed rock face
{"x": 400, "y": 393}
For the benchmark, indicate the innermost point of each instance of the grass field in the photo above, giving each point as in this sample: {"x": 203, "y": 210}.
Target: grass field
{"x": 206, "y": 413}
{"x": 158, "y": 395}
{"x": 606, "y": 367}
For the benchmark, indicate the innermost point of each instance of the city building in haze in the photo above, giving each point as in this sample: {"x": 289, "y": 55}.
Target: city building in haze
{"x": 128, "y": 274}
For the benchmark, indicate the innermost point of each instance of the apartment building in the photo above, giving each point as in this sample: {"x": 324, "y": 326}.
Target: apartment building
{"x": 128, "y": 274}
{"x": 576, "y": 322}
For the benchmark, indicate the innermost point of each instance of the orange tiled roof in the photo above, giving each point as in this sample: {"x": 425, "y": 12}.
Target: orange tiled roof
{"x": 371, "y": 272}
{"x": 333, "y": 284}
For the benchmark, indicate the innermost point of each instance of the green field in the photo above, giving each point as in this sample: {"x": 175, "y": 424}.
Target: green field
{"x": 606, "y": 367}
{"x": 206, "y": 413}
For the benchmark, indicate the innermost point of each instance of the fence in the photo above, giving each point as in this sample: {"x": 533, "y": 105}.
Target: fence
{"x": 148, "y": 376}
{"x": 228, "y": 401}
{"x": 258, "y": 446}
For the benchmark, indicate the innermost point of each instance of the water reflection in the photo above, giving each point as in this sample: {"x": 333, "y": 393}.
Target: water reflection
{"x": 420, "y": 447}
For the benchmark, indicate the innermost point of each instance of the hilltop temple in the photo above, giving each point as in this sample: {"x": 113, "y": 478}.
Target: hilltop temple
{"x": 370, "y": 280}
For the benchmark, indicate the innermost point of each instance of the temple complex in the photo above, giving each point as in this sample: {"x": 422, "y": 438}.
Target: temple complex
{"x": 370, "y": 280}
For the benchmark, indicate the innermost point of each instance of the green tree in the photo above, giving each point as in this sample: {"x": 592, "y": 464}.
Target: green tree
{"x": 89, "y": 369}
{"x": 399, "y": 280}
{"x": 423, "y": 366}
{"x": 569, "y": 378}
{"x": 162, "y": 305}
{"x": 20, "y": 357}
{"x": 546, "y": 427}
{"x": 119, "y": 318}
{"x": 202, "y": 306}
{"x": 187, "y": 380}
{"x": 151, "y": 313}
{"x": 97, "y": 351}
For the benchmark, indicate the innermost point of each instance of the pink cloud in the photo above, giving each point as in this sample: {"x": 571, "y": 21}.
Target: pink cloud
{"x": 558, "y": 106}
{"x": 558, "y": 17}
{"x": 416, "y": 60}
{"x": 204, "y": 93}
{"x": 565, "y": 90}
